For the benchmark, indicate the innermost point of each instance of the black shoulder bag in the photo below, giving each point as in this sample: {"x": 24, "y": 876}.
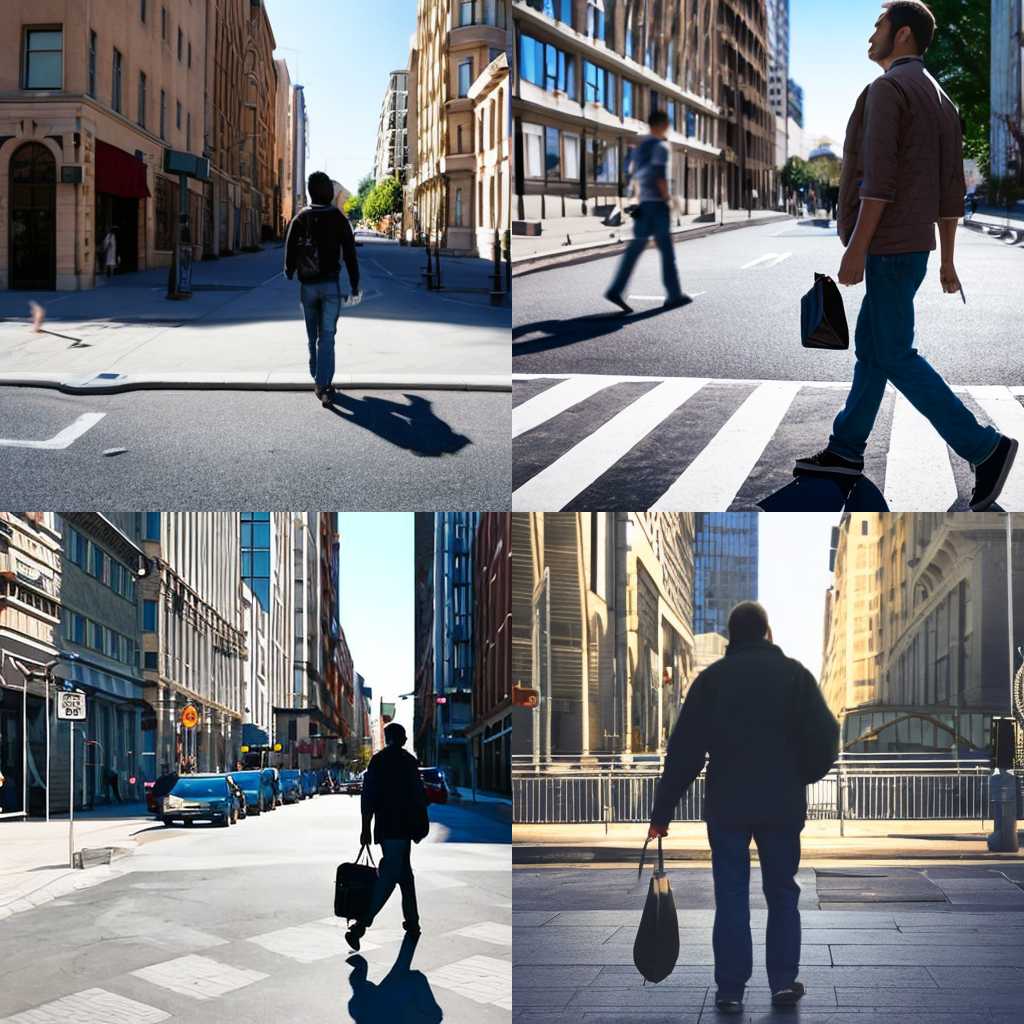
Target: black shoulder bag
{"x": 656, "y": 947}
{"x": 822, "y": 317}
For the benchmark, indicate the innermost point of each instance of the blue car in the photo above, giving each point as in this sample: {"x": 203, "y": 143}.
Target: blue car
{"x": 310, "y": 783}
{"x": 200, "y": 798}
{"x": 258, "y": 790}
{"x": 291, "y": 785}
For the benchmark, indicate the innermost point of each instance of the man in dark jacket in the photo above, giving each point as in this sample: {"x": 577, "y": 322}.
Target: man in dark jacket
{"x": 394, "y": 802}
{"x": 763, "y": 721}
{"x": 318, "y": 239}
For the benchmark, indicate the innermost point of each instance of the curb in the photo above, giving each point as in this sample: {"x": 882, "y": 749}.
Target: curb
{"x": 116, "y": 383}
{"x": 601, "y": 250}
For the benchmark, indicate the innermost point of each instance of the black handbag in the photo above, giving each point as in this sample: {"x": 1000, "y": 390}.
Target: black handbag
{"x": 822, "y": 317}
{"x": 656, "y": 947}
{"x": 353, "y": 887}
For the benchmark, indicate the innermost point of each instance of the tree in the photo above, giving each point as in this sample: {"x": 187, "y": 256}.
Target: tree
{"x": 355, "y": 206}
{"x": 383, "y": 201}
{"x": 796, "y": 174}
{"x": 959, "y": 58}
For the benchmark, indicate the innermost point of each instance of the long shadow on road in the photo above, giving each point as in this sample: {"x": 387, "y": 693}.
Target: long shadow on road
{"x": 473, "y": 823}
{"x": 413, "y": 426}
{"x": 401, "y": 995}
{"x": 559, "y": 333}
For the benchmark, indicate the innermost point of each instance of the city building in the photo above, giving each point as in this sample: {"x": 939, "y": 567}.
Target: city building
{"x": 795, "y": 103}
{"x": 778, "y": 80}
{"x": 300, "y": 147}
{"x": 193, "y": 641}
{"x": 362, "y": 739}
{"x": 491, "y": 98}
{"x": 257, "y": 720}
{"x": 1007, "y": 89}
{"x": 587, "y": 75}
{"x": 490, "y": 735}
{"x": 392, "y": 159}
{"x": 422, "y": 740}
{"x": 284, "y": 156}
{"x": 707, "y": 649}
{"x": 92, "y": 97}
{"x": 925, "y": 663}
{"x": 725, "y": 567}
{"x": 454, "y": 42}
{"x": 30, "y": 616}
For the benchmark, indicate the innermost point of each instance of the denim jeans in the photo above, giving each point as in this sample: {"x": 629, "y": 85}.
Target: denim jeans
{"x": 653, "y": 219}
{"x": 395, "y": 868}
{"x": 779, "y": 850}
{"x": 884, "y": 345}
{"x": 321, "y": 305}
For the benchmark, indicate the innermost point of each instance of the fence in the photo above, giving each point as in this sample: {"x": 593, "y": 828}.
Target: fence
{"x": 613, "y": 792}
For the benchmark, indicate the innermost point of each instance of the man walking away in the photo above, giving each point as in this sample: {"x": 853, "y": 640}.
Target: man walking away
{"x": 650, "y": 166}
{"x": 108, "y": 248}
{"x": 902, "y": 173}
{"x": 768, "y": 733}
{"x": 318, "y": 238}
{"x": 394, "y": 800}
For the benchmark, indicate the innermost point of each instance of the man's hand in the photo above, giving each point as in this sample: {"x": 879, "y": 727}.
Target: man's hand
{"x": 657, "y": 831}
{"x": 354, "y": 299}
{"x": 851, "y": 270}
{"x": 950, "y": 282}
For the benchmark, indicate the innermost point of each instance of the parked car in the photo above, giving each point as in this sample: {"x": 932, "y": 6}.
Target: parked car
{"x": 259, "y": 793}
{"x": 156, "y": 791}
{"x": 309, "y": 783}
{"x": 291, "y": 785}
{"x": 435, "y": 784}
{"x": 200, "y": 798}
{"x": 273, "y": 777}
{"x": 353, "y": 787}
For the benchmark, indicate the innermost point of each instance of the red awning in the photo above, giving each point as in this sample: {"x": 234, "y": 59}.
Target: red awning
{"x": 119, "y": 174}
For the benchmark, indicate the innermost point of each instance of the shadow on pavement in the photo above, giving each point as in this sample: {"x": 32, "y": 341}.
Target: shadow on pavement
{"x": 557, "y": 333}
{"x": 413, "y": 426}
{"x": 402, "y": 994}
{"x": 466, "y": 822}
{"x": 826, "y": 494}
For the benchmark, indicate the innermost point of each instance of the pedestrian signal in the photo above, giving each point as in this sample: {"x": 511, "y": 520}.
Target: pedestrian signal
{"x": 525, "y": 697}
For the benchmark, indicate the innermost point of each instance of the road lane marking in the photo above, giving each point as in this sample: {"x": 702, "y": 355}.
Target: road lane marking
{"x": 90, "y": 1006}
{"x": 309, "y": 942}
{"x": 483, "y": 979}
{"x": 490, "y": 931}
{"x": 556, "y": 400}
{"x": 767, "y": 261}
{"x": 64, "y": 439}
{"x": 918, "y": 474}
{"x": 198, "y": 976}
{"x": 659, "y": 298}
{"x": 1007, "y": 414}
{"x": 716, "y": 475}
{"x": 554, "y": 487}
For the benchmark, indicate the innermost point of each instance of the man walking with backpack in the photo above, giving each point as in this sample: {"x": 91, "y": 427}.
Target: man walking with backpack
{"x": 761, "y": 719}
{"x": 650, "y": 166}
{"x": 318, "y": 239}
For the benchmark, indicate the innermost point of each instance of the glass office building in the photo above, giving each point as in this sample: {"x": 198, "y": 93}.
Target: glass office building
{"x": 725, "y": 567}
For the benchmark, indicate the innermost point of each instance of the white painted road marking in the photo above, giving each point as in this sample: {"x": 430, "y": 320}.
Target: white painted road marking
{"x": 491, "y": 931}
{"x": 918, "y": 473}
{"x": 64, "y": 439}
{"x": 91, "y": 1006}
{"x": 556, "y": 400}
{"x": 198, "y": 977}
{"x": 1008, "y": 416}
{"x": 767, "y": 261}
{"x": 484, "y": 979}
{"x": 309, "y": 942}
{"x": 660, "y": 298}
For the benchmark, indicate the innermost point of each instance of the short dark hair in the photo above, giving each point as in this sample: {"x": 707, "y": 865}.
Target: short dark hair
{"x": 321, "y": 188}
{"x": 657, "y": 118}
{"x": 916, "y": 16}
{"x": 747, "y": 621}
{"x": 394, "y": 732}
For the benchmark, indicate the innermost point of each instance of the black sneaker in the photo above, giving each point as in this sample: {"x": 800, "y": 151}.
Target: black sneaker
{"x": 353, "y": 935}
{"x": 828, "y": 463}
{"x": 327, "y": 397}
{"x": 682, "y": 300}
{"x": 728, "y": 1004}
{"x": 788, "y": 996}
{"x": 619, "y": 301}
{"x": 990, "y": 475}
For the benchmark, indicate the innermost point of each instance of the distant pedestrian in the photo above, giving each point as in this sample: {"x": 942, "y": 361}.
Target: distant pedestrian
{"x": 109, "y": 250}
{"x": 392, "y": 800}
{"x": 113, "y": 789}
{"x": 974, "y": 202}
{"x": 650, "y": 165}
{"x": 318, "y": 239}
{"x": 764, "y": 725}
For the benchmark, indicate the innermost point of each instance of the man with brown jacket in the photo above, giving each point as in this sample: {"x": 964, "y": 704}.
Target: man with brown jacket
{"x": 902, "y": 174}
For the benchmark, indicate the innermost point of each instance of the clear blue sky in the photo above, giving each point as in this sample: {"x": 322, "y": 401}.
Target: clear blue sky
{"x": 342, "y": 52}
{"x": 377, "y": 602}
{"x": 793, "y": 577}
{"x": 828, "y": 46}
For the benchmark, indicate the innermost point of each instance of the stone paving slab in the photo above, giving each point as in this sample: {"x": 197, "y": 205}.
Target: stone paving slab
{"x": 930, "y": 956}
{"x": 944, "y": 936}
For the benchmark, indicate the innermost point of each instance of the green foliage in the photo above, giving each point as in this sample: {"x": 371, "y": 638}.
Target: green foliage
{"x": 353, "y": 209}
{"x": 959, "y": 58}
{"x": 796, "y": 174}
{"x": 383, "y": 201}
{"x": 822, "y": 171}
{"x": 825, "y": 171}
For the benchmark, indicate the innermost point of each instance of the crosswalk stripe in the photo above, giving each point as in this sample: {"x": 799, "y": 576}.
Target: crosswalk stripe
{"x": 556, "y": 400}
{"x": 1007, "y": 414}
{"x": 554, "y": 487}
{"x": 918, "y": 474}
{"x": 712, "y": 480}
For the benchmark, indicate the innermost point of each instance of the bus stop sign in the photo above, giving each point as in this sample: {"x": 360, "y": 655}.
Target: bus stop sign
{"x": 71, "y": 705}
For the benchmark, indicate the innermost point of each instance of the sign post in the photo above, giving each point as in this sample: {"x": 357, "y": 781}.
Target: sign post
{"x": 185, "y": 166}
{"x": 71, "y": 708}
{"x": 189, "y": 720}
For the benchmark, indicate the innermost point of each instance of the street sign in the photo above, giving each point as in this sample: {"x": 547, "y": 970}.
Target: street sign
{"x": 71, "y": 705}
{"x": 189, "y": 717}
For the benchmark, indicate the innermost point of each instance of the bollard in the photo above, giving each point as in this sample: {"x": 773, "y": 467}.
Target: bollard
{"x": 430, "y": 268}
{"x": 497, "y": 294}
{"x": 1003, "y": 799}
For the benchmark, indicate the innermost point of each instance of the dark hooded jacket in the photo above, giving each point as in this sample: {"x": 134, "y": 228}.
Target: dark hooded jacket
{"x": 333, "y": 238}
{"x": 393, "y": 793}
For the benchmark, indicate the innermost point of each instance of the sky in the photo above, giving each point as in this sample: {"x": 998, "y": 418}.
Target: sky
{"x": 377, "y": 602}
{"x": 793, "y": 577}
{"x": 828, "y": 46}
{"x": 342, "y": 51}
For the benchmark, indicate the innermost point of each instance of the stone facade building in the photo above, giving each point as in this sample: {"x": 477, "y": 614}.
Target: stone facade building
{"x": 392, "y": 158}
{"x": 491, "y": 96}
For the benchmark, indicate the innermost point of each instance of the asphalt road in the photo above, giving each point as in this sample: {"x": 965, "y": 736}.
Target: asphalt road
{"x": 249, "y": 911}
{"x": 746, "y": 322}
{"x": 232, "y": 449}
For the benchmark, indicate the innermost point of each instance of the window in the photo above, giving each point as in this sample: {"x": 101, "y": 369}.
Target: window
{"x": 458, "y": 207}
{"x": 152, "y": 526}
{"x": 142, "y": 9}
{"x": 547, "y": 66}
{"x": 533, "y": 150}
{"x": 466, "y": 12}
{"x": 92, "y": 64}
{"x": 44, "y": 59}
{"x": 163, "y": 113}
{"x": 465, "y": 76}
{"x": 605, "y": 162}
{"x": 163, "y": 23}
{"x": 552, "y": 154}
{"x": 142, "y": 99}
{"x": 570, "y": 156}
{"x": 115, "y": 81}
{"x": 188, "y": 133}
{"x": 149, "y": 616}
{"x": 77, "y": 548}
{"x": 595, "y": 19}
{"x": 181, "y": 43}
{"x": 178, "y": 114}
{"x": 627, "y": 98}
{"x": 150, "y": 660}
{"x": 190, "y": 53}
{"x": 98, "y": 564}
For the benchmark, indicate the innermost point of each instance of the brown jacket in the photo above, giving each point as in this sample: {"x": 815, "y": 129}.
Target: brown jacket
{"x": 904, "y": 145}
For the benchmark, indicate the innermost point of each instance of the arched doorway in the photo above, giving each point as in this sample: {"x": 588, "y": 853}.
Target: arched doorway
{"x": 33, "y": 221}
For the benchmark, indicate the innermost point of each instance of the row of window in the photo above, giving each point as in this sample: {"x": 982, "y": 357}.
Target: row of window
{"x": 554, "y": 155}
{"x": 78, "y": 629}
{"x": 483, "y": 12}
{"x": 23, "y": 594}
{"x": 91, "y": 558}
{"x": 465, "y": 71}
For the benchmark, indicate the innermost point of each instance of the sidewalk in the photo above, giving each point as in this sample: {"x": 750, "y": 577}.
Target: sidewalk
{"x": 820, "y": 840}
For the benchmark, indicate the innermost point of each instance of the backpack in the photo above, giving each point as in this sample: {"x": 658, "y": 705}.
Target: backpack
{"x": 307, "y": 253}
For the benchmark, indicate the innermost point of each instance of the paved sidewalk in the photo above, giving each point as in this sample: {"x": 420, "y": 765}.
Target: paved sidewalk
{"x": 820, "y": 840}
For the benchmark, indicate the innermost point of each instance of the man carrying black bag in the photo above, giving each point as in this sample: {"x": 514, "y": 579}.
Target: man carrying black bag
{"x": 394, "y": 800}
{"x": 768, "y": 732}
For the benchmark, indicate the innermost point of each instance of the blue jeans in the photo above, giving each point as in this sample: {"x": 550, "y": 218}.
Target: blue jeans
{"x": 779, "y": 850}
{"x": 321, "y": 305}
{"x": 653, "y": 219}
{"x": 395, "y": 868}
{"x": 884, "y": 345}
